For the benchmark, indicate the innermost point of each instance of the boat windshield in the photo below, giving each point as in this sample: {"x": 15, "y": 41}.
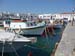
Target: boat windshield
{"x": 31, "y": 23}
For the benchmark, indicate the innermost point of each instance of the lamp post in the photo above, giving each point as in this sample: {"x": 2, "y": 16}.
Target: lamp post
{"x": 73, "y": 16}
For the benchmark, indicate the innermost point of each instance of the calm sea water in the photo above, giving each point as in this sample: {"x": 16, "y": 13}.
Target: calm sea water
{"x": 43, "y": 47}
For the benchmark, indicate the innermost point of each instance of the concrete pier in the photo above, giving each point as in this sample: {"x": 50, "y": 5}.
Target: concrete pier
{"x": 66, "y": 46}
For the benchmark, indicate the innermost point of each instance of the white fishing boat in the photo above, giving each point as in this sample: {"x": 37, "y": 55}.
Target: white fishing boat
{"x": 11, "y": 42}
{"x": 27, "y": 28}
{"x": 58, "y": 23}
{"x": 58, "y": 26}
{"x": 55, "y": 24}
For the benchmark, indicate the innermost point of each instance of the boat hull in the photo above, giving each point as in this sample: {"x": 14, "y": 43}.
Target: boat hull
{"x": 32, "y": 31}
{"x": 57, "y": 26}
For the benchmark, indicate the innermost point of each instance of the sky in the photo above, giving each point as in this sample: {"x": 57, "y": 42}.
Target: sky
{"x": 37, "y": 6}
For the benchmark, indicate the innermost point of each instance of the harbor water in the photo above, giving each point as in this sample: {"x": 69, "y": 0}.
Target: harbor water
{"x": 43, "y": 47}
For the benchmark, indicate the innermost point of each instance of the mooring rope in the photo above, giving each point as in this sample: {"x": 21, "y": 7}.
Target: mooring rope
{"x": 3, "y": 48}
{"x": 14, "y": 50}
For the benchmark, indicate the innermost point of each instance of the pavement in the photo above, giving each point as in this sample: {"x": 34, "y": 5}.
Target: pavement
{"x": 66, "y": 46}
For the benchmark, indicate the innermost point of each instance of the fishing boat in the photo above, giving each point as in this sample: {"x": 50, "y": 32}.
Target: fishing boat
{"x": 11, "y": 42}
{"x": 27, "y": 28}
{"x": 55, "y": 24}
{"x": 58, "y": 24}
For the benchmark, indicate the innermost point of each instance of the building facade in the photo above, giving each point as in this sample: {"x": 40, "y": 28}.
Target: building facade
{"x": 68, "y": 16}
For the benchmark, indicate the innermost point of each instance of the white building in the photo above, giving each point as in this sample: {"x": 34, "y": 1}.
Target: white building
{"x": 28, "y": 16}
{"x": 68, "y": 16}
{"x": 44, "y": 16}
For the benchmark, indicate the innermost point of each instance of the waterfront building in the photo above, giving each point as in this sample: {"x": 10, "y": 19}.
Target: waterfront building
{"x": 68, "y": 16}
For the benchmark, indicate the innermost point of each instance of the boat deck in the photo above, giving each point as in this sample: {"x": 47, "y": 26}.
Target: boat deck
{"x": 66, "y": 46}
{"x": 10, "y": 36}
